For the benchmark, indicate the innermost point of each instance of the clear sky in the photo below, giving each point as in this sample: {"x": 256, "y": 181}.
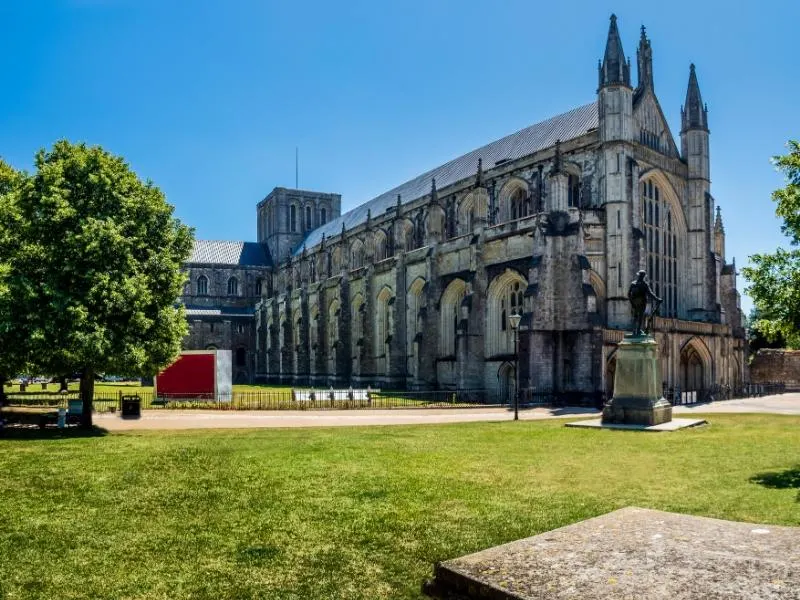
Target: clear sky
{"x": 209, "y": 99}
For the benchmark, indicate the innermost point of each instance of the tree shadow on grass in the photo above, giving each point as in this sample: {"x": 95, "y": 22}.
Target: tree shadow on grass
{"x": 780, "y": 480}
{"x": 16, "y": 432}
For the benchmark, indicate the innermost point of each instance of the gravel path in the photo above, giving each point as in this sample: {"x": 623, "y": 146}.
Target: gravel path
{"x": 788, "y": 404}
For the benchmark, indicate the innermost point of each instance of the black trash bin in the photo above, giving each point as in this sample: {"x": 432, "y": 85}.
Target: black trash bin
{"x": 131, "y": 407}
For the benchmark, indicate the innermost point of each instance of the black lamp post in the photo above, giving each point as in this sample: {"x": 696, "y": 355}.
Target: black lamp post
{"x": 513, "y": 321}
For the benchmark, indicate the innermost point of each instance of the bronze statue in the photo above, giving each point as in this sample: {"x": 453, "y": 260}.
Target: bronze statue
{"x": 639, "y": 294}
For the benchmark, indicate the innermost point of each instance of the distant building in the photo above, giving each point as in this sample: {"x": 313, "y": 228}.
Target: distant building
{"x": 414, "y": 288}
{"x": 226, "y": 280}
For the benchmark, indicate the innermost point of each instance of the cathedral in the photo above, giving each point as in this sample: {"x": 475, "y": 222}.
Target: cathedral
{"x": 414, "y": 288}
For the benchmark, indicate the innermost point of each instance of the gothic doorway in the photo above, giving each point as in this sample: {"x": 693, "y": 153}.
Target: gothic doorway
{"x": 692, "y": 370}
{"x": 508, "y": 383}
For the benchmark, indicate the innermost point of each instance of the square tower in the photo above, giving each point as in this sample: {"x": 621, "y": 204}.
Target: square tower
{"x": 286, "y": 217}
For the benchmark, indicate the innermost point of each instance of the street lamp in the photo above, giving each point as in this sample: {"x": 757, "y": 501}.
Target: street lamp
{"x": 513, "y": 321}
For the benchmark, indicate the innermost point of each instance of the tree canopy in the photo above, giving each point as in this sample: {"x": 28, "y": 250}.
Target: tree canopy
{"x": 775, "y": 278}
{"x": 99, "y": 267}
{"x": 13, "y": 313}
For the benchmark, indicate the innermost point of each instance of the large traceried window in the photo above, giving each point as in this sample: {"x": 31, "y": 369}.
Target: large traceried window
{"x": 233, "y": 286}
{"x": 357, "y": 254}
{"x": 380, "y": 243}
{"x": 383, "y": 330}
{"x": 505, "y": 298}
{"x": 298, "y": 322}
{"x": 450, "y": 315}
{"x": 574, "y": 191}
{"x": 202, "y": 285}
{"x": 473, "y": 208}
{"x": 313, "y": 339}
{"x": 661, "y": 245}
{"x": 519, "y": 204}
{"x": 357, "y": 331}
{"x": 333, "y": 334}
{"x": 413, "y": 307}
{"x": 513, "y": 201}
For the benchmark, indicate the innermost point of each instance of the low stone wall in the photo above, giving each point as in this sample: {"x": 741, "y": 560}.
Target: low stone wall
{"x": 776, "y": 365}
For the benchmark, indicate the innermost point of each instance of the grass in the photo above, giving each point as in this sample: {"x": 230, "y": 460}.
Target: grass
{"x": 350, "y": 513}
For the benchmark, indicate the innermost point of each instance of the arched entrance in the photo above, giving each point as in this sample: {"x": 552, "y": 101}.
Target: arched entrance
{"x": 507, "y": 377}
{"x": 695, "y": 365}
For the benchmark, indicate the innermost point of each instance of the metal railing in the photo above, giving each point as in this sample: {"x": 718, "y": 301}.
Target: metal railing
{"x": 273, "y": 399}
{"x": 323, "y": 399}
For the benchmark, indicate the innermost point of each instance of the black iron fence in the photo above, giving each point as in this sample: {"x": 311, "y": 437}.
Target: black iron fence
{"x": 319, "y": 399}
{"x": 677, "y": 397}
{"x": 270, "y": 399}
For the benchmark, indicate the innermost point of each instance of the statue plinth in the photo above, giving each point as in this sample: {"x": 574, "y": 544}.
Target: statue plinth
{"x": 637, "y": 385}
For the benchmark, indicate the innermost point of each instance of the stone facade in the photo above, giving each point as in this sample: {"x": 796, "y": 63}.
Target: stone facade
{"x": 225, "y": 280}
{"x": 414, "y": 288}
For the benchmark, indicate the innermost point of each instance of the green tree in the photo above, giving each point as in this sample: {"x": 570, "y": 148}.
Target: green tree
{"x": 775, "y": 278}
{"x": 101, "y": 259}
{"x": 13, "y": 327}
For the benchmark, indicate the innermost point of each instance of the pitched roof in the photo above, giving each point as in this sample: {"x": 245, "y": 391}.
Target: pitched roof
{"x": 566, "y": 126}
{"x": 215, "y": 252}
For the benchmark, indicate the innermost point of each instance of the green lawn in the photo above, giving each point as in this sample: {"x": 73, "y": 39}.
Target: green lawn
{"x": 350, "y": 513}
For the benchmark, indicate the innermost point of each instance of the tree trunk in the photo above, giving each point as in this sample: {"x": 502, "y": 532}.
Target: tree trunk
{"x": 2, "y": 391}
{"x": 64, "y": 387}
{"x": 87, "y": 395}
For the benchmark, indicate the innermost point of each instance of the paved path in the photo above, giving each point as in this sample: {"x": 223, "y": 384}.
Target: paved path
{"x": 788, "y": 404}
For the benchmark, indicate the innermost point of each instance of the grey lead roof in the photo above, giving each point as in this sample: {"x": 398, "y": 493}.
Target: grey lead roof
{"x": 537, "y": 137}
{"x": 229, "y": 253}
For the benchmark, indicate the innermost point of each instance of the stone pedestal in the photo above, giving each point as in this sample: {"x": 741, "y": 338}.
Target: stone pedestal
{"x": 637, "y": 385}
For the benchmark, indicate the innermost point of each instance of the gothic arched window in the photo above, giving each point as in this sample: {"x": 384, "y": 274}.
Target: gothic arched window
{"x": 383, "y": 330}
{"x": 661, "y": 247}
{"x": 574, "y": 191}
{"x": 202, "y": 285}
{"x": 518, "y": 203}
{"x": 233, "y": 286}
{"x": 505, "y": 298}
{"x": 449, "y": 316}
{"x": 259, "y": 286}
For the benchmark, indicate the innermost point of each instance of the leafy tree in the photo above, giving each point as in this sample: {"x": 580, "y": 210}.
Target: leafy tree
{"x": 757, "y": 339}
{"x": 13, "y": 330}
{"x": 775, "y": 278}
{"x": 101, "y": 261}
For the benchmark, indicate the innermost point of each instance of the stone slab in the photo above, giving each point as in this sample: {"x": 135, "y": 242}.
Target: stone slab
{"x": 673, "y": 425}
{"x": 632, "y": 553}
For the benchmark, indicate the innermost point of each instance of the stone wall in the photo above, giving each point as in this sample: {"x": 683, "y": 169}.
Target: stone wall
{"x": 771, "y": 365}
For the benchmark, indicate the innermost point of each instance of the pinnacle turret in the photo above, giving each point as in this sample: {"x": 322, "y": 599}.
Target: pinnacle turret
{"x": 434, "y": 193}
{"x": 718, "y": 226}
{"x": 694, "y": 114}
{"x": 614, "y": 69}
{"x": 644, "y": 60}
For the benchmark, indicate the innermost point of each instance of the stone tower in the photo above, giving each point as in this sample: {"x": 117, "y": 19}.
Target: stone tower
{"x": 699, "y": 203}
{"x": 615, "y": 109}
{"x": 287, "y": 216}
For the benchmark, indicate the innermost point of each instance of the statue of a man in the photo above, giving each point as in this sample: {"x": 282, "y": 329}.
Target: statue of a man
{"x": 639, "y": 294}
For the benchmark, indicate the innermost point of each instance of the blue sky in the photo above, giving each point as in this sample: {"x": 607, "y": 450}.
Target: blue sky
{"x": 209, "y": 99}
